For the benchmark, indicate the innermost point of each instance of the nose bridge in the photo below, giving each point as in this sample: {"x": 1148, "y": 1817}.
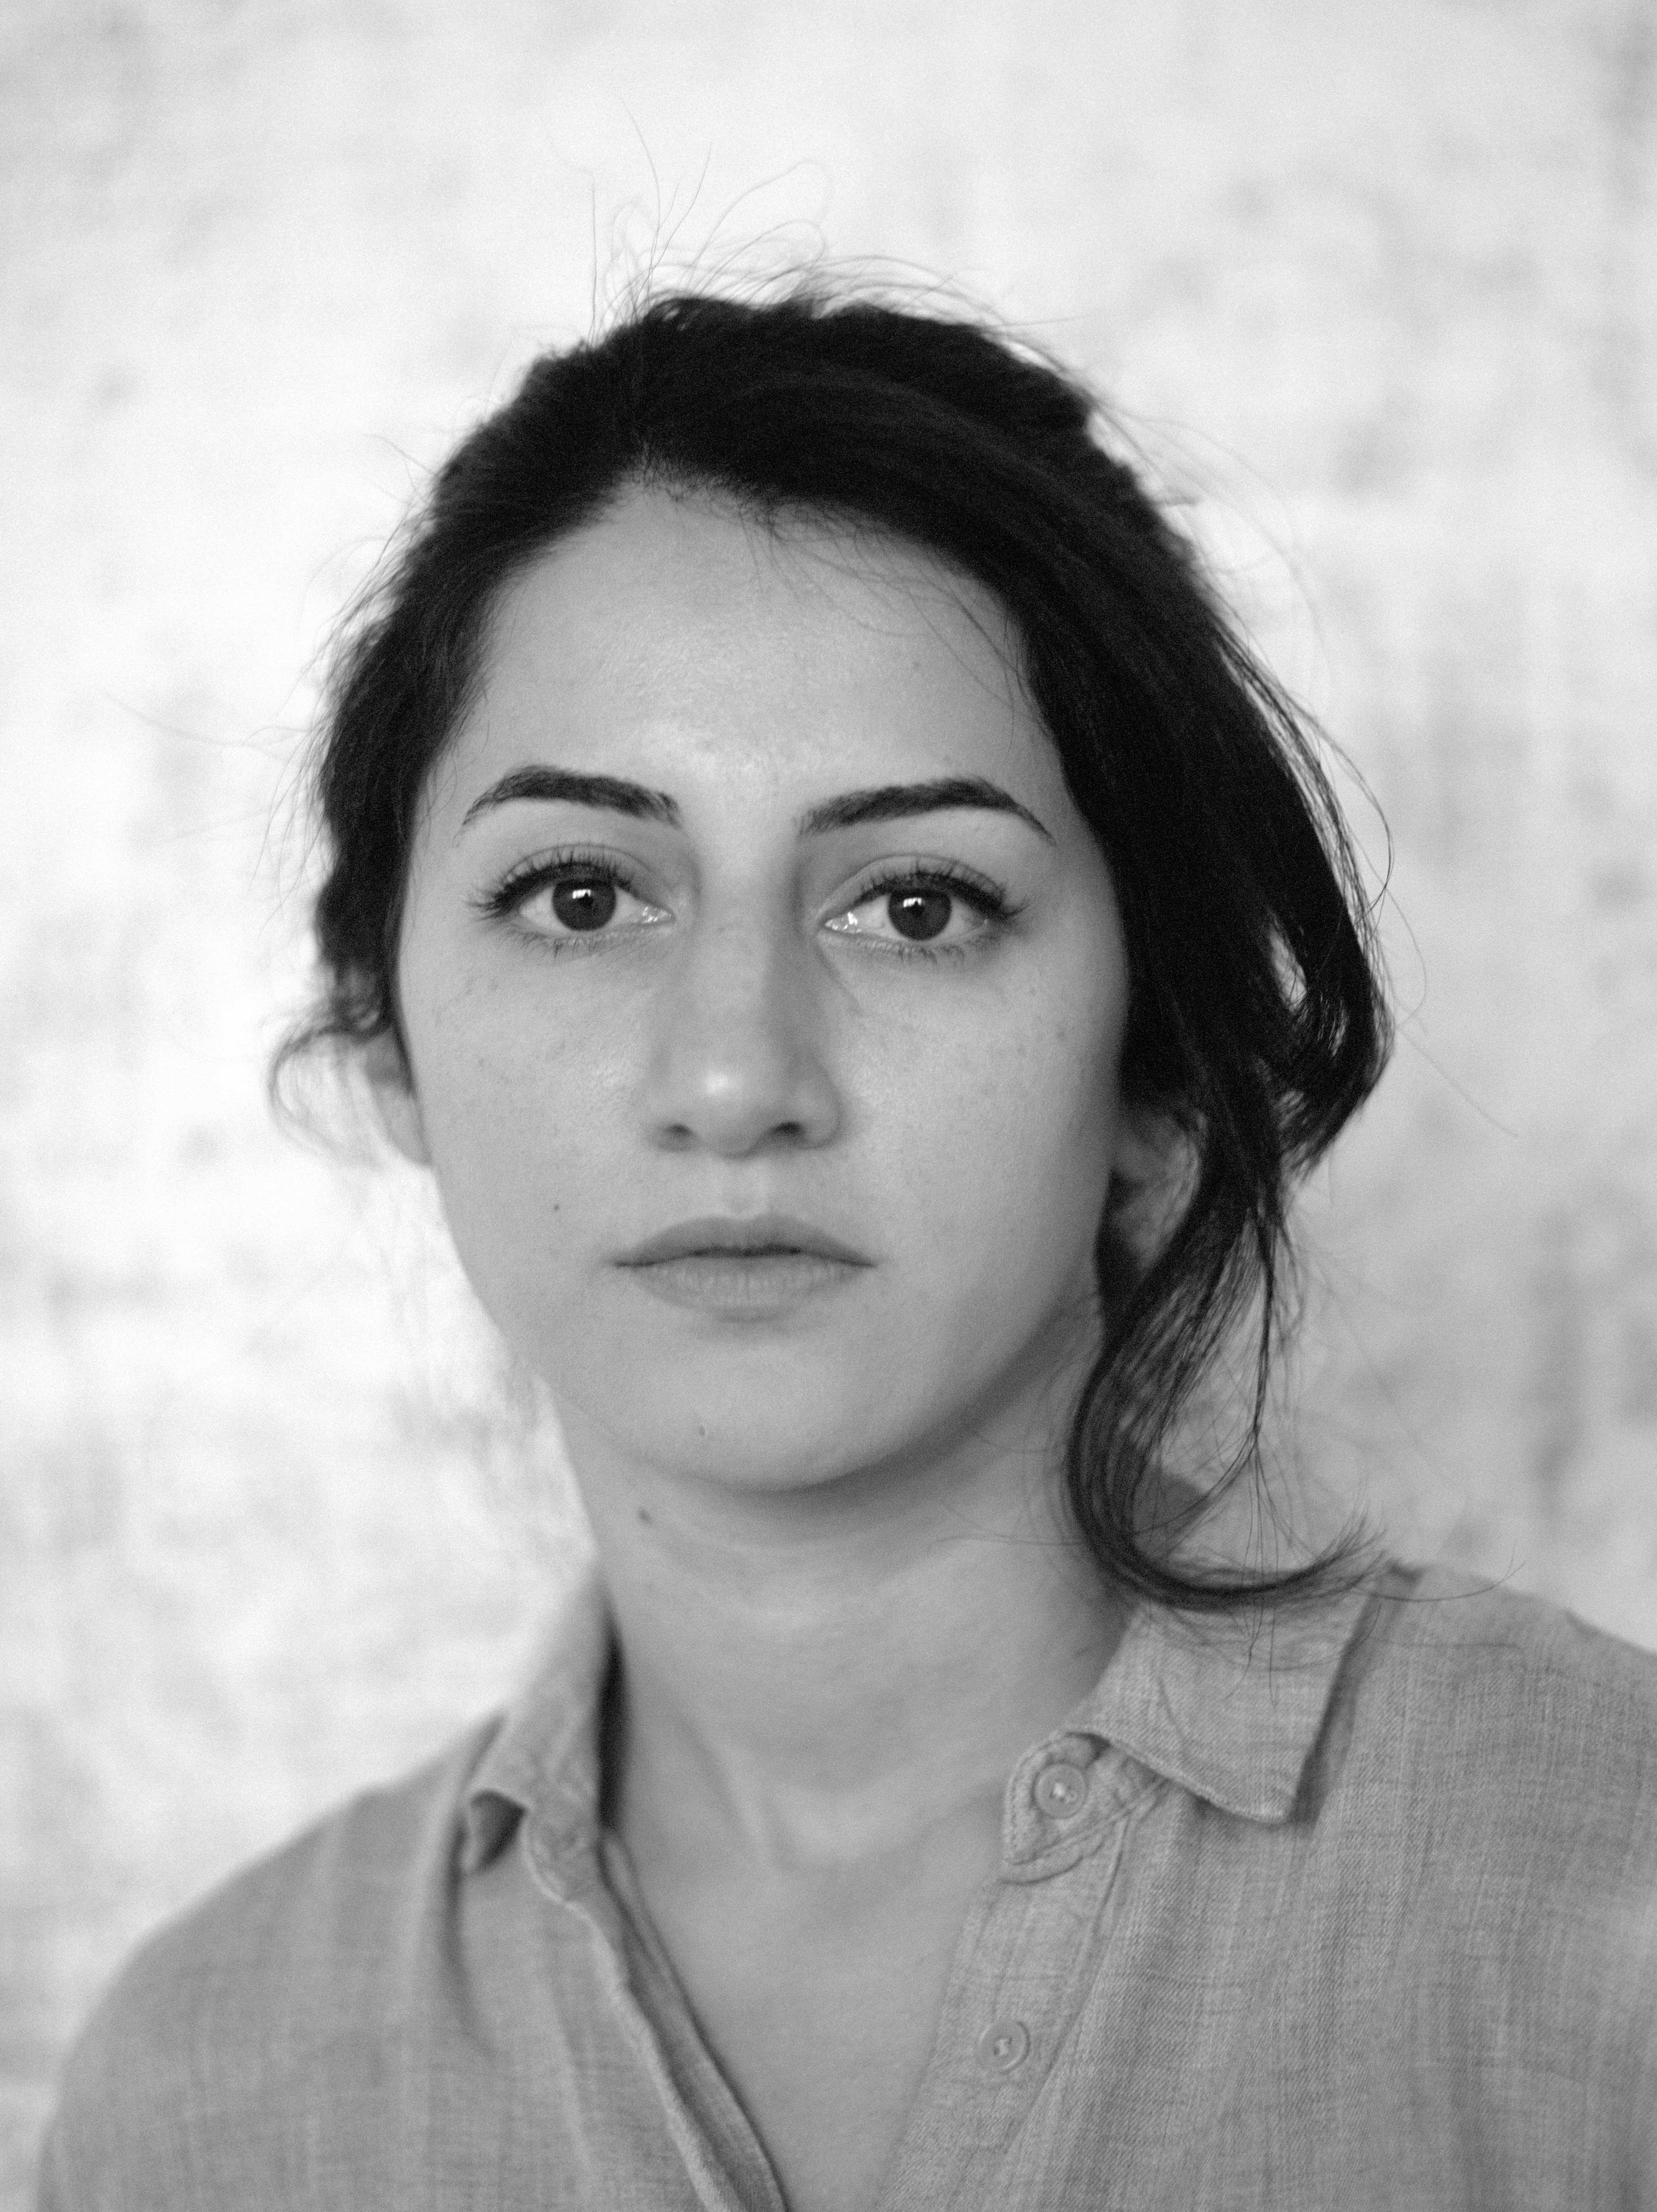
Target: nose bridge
{"x": 737, "y": 1061}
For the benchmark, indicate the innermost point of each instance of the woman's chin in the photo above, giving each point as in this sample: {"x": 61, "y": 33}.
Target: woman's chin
{"x": 772, "y": 1442}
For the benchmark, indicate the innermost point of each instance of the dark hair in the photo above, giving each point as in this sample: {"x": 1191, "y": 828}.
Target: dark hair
{"x": 1257, "y": 1019}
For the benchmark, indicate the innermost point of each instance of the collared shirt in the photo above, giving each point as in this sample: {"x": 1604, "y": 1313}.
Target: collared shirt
{"x": 1356, "y": 1909}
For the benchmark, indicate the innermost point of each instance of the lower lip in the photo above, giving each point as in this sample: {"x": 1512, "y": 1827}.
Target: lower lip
{"x": 742, "y": 1285}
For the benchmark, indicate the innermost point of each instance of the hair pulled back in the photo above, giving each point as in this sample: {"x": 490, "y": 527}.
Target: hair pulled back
{"x": 1257, "y": 1020}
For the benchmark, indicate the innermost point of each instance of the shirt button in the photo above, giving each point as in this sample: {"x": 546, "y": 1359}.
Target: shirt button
{"x": 1004, "y": 2045}
{"x": 1060, "y": 1790}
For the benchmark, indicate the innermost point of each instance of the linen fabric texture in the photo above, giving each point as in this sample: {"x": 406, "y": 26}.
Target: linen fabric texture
{"x": 1357, "y": 1908}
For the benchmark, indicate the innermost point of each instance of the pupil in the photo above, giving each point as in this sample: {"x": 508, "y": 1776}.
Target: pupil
{"x": 586, "y": 903}
{"x": 920, "y": 914}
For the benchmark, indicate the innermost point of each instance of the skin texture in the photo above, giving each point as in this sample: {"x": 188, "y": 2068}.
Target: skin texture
{"x": 844, "y": 1599}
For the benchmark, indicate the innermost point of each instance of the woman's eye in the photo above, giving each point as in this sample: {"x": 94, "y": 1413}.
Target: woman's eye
{"x": 917, "y": 912}
{"x": 576, "y": 902}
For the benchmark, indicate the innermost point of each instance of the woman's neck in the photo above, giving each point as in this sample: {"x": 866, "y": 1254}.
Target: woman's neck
{"x": 819, "y": 1679}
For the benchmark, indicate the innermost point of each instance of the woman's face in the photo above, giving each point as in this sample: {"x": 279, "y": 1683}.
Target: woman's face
{"x": 764, "y": 993}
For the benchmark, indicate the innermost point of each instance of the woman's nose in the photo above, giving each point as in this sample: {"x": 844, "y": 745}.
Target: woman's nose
{"x": 736, "y": 1065}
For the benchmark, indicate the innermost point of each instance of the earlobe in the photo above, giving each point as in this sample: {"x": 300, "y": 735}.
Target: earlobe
{"x": 397, "y": 1105}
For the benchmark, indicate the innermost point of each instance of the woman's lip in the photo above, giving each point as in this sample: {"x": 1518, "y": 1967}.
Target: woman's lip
{"x": 731, "y": 1236}
{"x": 745, "y": 1284}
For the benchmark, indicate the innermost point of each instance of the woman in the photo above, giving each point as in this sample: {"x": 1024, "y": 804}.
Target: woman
{"x": 865, "y": 955}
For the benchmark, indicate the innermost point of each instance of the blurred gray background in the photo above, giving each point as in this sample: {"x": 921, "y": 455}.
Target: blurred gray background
{"x": 1376, "y": 291}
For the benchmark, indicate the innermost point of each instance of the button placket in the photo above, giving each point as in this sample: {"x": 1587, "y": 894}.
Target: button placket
{"x": 1027, "y": 1955}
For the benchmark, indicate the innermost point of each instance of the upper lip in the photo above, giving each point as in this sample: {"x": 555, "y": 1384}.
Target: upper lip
{"x": 747, "y": 1232}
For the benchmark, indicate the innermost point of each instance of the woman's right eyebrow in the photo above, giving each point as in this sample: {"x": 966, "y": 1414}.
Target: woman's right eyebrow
{"x": 613, "y": 792}
{"x": 889, "y": 802}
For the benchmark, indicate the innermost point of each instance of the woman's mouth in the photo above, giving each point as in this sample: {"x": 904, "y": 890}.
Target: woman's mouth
{"x": 742, "y": 1268}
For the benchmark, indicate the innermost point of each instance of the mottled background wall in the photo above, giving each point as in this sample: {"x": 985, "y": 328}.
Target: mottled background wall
{"x": 1377, "y": 286}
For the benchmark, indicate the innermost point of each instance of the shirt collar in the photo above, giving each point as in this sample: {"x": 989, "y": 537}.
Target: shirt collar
{"x": 1228, "y": 1708}
{"x": 544, "y": 1758}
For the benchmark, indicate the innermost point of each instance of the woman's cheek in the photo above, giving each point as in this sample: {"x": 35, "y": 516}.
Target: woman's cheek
{"x": 511, "y": 1150}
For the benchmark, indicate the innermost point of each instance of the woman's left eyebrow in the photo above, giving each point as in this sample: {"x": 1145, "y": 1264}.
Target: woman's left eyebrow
{"x": 886, "y": 802}
{"x": 892, "y": 802}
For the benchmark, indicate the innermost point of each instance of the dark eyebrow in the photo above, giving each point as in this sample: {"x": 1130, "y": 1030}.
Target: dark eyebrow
{"x": 892, "y": 802}
{"x": 610, "y": 791}
{"x": 888, "y": 802}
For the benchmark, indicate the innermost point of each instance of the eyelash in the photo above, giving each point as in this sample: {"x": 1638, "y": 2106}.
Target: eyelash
{"x": 510, "y": 893}
{"x": 991, "y": 905}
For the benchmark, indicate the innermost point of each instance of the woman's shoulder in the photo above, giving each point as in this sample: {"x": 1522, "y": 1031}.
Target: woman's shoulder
{"x": 1435, "y": 1628}
{"x": 1483, "y": 1810}
{"x": 245, "y": 1985}
{"x": 1502, "y": 1708}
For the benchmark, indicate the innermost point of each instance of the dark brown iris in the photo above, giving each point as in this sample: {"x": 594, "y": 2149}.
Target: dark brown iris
{"x": 920, "y": 914}
{"x": 583, "y": 901}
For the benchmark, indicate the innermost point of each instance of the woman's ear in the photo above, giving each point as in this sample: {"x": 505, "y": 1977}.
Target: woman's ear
{"x": 396, "y": 1106}
{"x": 1154, "y": 1174}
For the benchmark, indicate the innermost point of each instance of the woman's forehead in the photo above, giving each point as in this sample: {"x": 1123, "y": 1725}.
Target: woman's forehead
{"x": 679, "y": 634}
